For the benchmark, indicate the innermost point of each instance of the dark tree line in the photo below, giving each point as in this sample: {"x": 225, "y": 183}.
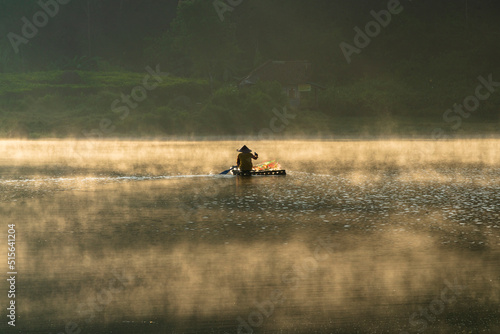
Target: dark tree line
{"x": 189, "y": 38}
{"x": 420, "y": 64}
{"x": 113, "y": 31}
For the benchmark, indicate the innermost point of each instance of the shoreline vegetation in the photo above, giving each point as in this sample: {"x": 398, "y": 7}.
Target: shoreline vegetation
{"x": 73, "y": 104}
{"x": 418, "y": 78}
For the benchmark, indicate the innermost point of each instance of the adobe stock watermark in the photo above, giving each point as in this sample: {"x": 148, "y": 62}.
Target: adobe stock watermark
{"x": 372, "y": 29}
{"x": 291, "y": 279}
{"x": 122, "y": 106}
{"x": 419, "y": 321}
{"x": 222, "y": 6}
{"x": 471, "y": 103}
{"x": 282, "y": 117}
{"x": 29, "y": 30}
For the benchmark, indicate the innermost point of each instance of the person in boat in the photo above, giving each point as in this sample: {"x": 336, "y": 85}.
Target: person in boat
{"x": 245, "y": 157}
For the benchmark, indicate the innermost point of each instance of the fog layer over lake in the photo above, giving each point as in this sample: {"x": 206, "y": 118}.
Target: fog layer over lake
{"x": 359, "y": 237}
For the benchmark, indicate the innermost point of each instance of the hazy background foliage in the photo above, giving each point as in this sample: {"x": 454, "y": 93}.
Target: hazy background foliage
{"x": 424, "y": 61}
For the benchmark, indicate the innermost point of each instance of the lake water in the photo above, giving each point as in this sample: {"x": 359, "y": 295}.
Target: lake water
{"x": 145, "y": 237}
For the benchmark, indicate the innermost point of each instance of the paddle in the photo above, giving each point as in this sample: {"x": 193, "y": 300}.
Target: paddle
{"x": 227, "y": 171}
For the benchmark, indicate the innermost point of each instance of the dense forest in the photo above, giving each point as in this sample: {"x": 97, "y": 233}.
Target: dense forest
{"x": 68, "y": 68}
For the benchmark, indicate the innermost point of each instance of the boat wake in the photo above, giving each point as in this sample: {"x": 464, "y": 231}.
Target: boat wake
{"x": 56, "y": 180}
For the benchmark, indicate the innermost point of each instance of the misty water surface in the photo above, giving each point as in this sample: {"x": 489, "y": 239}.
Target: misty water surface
{"x": 359, "y": 237}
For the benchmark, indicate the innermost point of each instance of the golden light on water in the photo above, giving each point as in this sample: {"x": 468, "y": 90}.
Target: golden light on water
{"x": 158, "y": 157}
{"x": 120, "y": 233}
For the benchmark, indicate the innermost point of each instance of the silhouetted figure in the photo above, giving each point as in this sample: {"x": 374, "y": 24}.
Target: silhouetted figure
{"x": 244, "y": 160}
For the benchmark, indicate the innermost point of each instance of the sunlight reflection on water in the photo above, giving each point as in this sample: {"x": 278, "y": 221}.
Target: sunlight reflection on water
{"x": 333, "y": 250}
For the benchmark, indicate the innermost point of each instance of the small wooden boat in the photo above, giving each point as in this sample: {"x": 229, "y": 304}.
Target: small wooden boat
{"x": 258, "y": 172}
{"x": 266, "y": 168}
